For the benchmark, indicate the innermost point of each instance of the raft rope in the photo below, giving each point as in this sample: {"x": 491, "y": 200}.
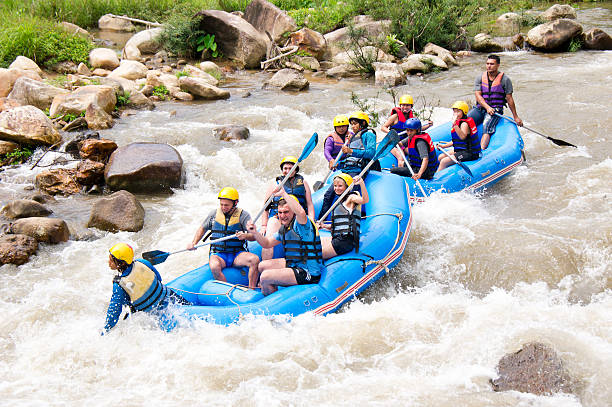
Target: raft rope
{"x": 232, "y": 287}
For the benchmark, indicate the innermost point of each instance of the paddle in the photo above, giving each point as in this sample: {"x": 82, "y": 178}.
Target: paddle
{"x": 384, "y": 147}
{"x": 462, "y": 165}
{"x": 554, "y": 140}
{"x": 319, "y": 184}
{"x": 408, "y": 165}
{"x": 158, "y": 256}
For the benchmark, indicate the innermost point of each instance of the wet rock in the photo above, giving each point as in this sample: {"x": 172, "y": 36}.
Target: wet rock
{"x": 442, "y": 53}
{"x": 336, "y": 40}
{"x": 139, "y": 101}
{"x": 211, "y": 68}
{"x": 105, "y": 58}
{"x": 202, "y": 89}
{"x": 6, "y": 104}
{"x": 485, "y": 43}
{"x": 508, "y": 23}
{"x": 288, "y": 79}
{"x": 232, "y": 132}
{"x": 7, "y": 147}
{"x": 184, "y": 96}
{"x": 8, "y": 77}
{"x": 309, "y": 41}
{"x": 369, "y": 52}
{"x": 97, "y": 118}
{"x": 198, "y": 73}
{"x": 536, "y": 368}
{"x": 48, "y": 230}
{"x": 342, "y": 71}
{"x": 24, "y": 208}
{"x": 130, "y": 70}
{"x": 236, "y": 38}
{"x": 42, "y": 198}
{"x": 28, "y": 91}
{"x": 74, "y": 29}
{"x": 64, "y": 67}
{"x": 388, "y": 74}
{"x": 518, "y": 41}
{"x": 558, "y": 11}
{"x": 596, "y": 38}
{"x": 147, "y": 90}
{"x": 90, "y": 172}
{"x": 82, "y": 69}
{"x": 78, "y": 123}
{"x": 554, "y": 36}
{"x": 265, "y": 16}
{"x": 27, "y": 125}
{"x": 26, "y": 64}
{"x": 108, "y": 22}
{"x": 310, "y": 63}
{"x": 73, "y": 145}
{"x": 59, "y": 181}
{"x": 119, "y": 211}
{"x": 144, "y": 167}
{"x": 17, "y": 249}
{"x": 97, "y": 149}
{"x": 78, "y": 100}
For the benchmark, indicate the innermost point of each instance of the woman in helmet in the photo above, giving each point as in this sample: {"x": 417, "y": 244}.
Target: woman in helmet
{"x": 296, "y": 186}
{"x": 137, "y": 284}
{"x": 228, "y": 220}
{"x": 345, "y": 218}
{"x": 399, "y": 115}
{"x": 419, "y": 151}
{"x": 336, "y": 139}
{"x": 464, "y": 135}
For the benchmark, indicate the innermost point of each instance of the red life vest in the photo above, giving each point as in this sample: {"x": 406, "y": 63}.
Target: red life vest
{"x": 401, "y": 118}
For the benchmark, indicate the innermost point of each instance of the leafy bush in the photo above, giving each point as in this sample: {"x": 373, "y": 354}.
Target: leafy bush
{"x": 206, "y": 44}
{"x": 575, "y": 45}
{"x": 161, "y": 92}
{"x": 123, "y": 99}
{"x": 181, "y": 34}
{"x": 367, "y": 106}
{"x": 361, "y": 57}
{"x": 18, "y": 156}
{"x": 321, "y": 19}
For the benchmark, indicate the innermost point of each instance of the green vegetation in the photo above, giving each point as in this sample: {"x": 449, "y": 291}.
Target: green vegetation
{"x": 367, "y": 106}
{"x": 161, "y": 92}
{"x": 575, "y": 45}
{"x": 69, "y": 117}
{"x": 182, "y": 73}
{"x": 122, "y": 99}
{"x": 233, "y": 5}
{"x": 18, "y": 156}
{"x": 58, "y": 81}
{"x": 206, "y": 44}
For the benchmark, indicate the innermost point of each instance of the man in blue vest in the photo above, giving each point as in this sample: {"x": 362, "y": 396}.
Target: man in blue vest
{"x": 303, "y": 262}
{"x": 493, "y": 90}
{"x": 228, "y": 220}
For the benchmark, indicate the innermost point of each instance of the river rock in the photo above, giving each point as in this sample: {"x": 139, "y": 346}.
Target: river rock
{"x": 108, "y": 22}
{"x": 180, "y": 95}
{"x": 27, "y": 125}
{"x": 198, "y": 73}
{"x": 77, "y": 101}
{"x": 101, "y": 72}
{"x": 139, "y": 101}
{"x": 200, "y": 88}
{"x": 119, "y": 211}
{"x": 82, "y": 69}
{"x": 24, "y": 208}
{"x": 369, "y": 52}
{"x": 558, "y": 11}
{"x": 288, "y": 79}
{"x": 212, "y": 69}
{"x": 388, "y": 74}
{"x": 485, "y": 43}
{"x": 64, "y": 67}
{"x": 342, "y": 71}
{"x": 42, "y": 198}
{"x": 144, "y": 167}
{"x": 6, "y": 104}
{"x": 59, "y": 181}
{"x": 17, "y": 249}
{"x": 97, "y": 149}
{"x": 48, "y": 230}
{"x": 310, "y": 63}
{"x": 508, "y": 23}
{"x": 518, "y": 40}
{"x": 7, "y": 147}
{"x": 72, "y": 146}
{"x": 553, "y": 36}
{"x": 130, "y": 70}
{"x": 28, "y": 91}
{"x": 89, "y": 172}
{"x": 74, "y": 29}
{"x": 145, "y": 41}
{"x": 26, "y": 64}
{"x": 596, "y": 38}
{"x": 156, "y": 78}
{"x": 265, "y": 16}
{"x": 440, "y": 52}
{"x": 337, "y": 40}
{"x": 8, "y": 77}
{"x": 422, "y": 63}
{"x": 104, "y": 58}
{"x": 236, "y": 38}
{"x": 309, "y": 41}
{"x": 231, "y": 132}
{"x": 97, "y": 118}
{"x": 536, "y": 368}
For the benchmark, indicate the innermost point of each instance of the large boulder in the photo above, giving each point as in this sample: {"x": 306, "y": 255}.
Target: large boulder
{"x": 443, "y": 53}
{"x": 596, "y": 38}
{"x": 27, "y": 125}
{"x": 265, "y": 16}
{"x": 387, "y": 74}
{"x": 558, "y": 11}
{"x": 369, "y": 52}
{"x": 200, "y": 88}
{"x": 536, "y": 368}
{"x": 554, "y": 36}
{"x": 156, "y": 78}
{"x": 111, "y": 23}
{"x": 17, "y": 249}
{"x": 139, "y": 101}
{"x": 24, "y": 208}
{"x": 8, "y": 77}
{"x": 236, "y": 38}
{"x": 144, "y": 167}
{"x": 422, "y": 63}
{"x": 119, "y": 211}
{"x": 508, "y": 23}
{"x": 195, "y": 72}
{"x": 6, "y": 104}
{"x": 97, "y": 149}
{"x": 130, "y": 70}
{"x": 26, "y": 64}
{"x": 212, "y": 69}
{"x": 59, "y": 181}
{"x": 48, "y": 230}
{"x": 342, "y": 71}
{"x": 337, "y": 40}
{"x": 288, "y": 79}
{"x": 90, "y": 172}
{"x": 77, "y": 101}
{"x": 145, "y": 42}
{"x": 27, "y": 91}
{"x": 231, "y": 132}
{"x": 97, "y": 118}
{"x": 309, "y": 41}
{"x": 104, "y": 58}
{"x": 485, "y": 43}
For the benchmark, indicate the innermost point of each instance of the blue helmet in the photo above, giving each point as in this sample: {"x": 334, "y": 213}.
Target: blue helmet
{"x": 413, "y": 124}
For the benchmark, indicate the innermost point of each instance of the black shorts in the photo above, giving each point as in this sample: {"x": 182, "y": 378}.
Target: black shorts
{"x": 465, "y": 156}
{"x": 343, "y": 244}
{"x": 405, "y": 172}
{"x": 304, "y": 277}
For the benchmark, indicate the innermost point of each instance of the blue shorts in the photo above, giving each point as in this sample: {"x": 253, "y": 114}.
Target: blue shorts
{"x": 227, "y": 257}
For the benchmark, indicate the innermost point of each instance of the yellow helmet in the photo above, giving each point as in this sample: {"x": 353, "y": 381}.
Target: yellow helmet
{"x": 289, "y": 159}
{"x": 282, "y": 200}
{"x": 461, "y": 105}
{"x": 406, "y": 100}
{"x": 228, "y": 193}
{"x": 341, "y": 120}
{"x": 123, "y": 252}
{"x": 360, "y": 116}
{"x": 348, "y": 180}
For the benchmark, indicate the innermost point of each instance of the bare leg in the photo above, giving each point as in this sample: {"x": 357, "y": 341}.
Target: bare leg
{"x": 328, "y": 249}
{"x": 272, "y": 278}
{"x": 397, "y": 154}
{"x": 217, "y": 264}
{"x": 273, "y": 227}
{"x": 445, "y": 162}
{"x": 251, "y": 261}
{"x": 484, "y": 141}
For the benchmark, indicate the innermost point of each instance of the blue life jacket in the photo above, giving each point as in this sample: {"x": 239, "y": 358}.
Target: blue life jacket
{"x": 413, "y": 154}
{"x": 401, "y": 119}
{"x": 471, "y": 143}
{"x": 226, "y": 226}
{"x": 294, "y": 186}
{"x": 350, "y": 163}
{"x": 301, "y": 253}
{"x": 142, "y": 286}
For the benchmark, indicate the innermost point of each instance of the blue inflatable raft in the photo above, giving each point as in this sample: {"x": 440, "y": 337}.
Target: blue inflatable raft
{"x": 384, "y": 233}
{"x": 505, "y": 152}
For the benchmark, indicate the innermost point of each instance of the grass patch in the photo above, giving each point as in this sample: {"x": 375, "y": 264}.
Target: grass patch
{"x": 59, "y": 81}
{"x": 182, "y": 73}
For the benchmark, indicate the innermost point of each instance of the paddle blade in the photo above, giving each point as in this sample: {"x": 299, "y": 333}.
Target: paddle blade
{"x": 317, "y": 185}
{"x": 560, "y": 142}
{"x": 155, "y": 256}
{"x": 466, "y": 168}
{"x": 312, "y": 143}
{"x": 386, "y": 144}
